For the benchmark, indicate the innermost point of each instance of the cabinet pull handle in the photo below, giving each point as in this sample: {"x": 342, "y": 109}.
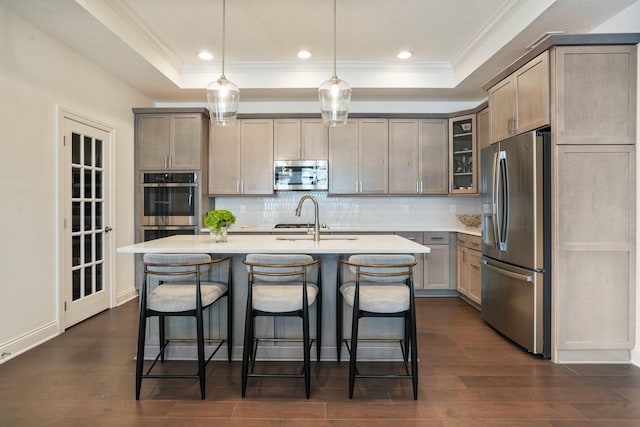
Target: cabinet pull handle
{"x": 421, "y": 189}
{"x": 166, "y": 162}
{"x": 356, "y": 185}
{"x": 437, "y": 238}
{"x": 417, "y": 186}
{"x": 237, "y": 186}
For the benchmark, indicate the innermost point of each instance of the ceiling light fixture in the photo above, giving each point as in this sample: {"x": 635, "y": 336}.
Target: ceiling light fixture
{"x": 334, "y": 94}
{"x": 205, "y": 56}
{"x": 405, "y": 54}
{"x": 222, "y": 95}
{"x": 304, "y": 54}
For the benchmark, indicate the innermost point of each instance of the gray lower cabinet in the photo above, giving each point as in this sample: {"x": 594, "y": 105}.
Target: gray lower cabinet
{"x": 241, "y": 158}
{"x": 431, "y": 272}
{"x": 170, "y": 140}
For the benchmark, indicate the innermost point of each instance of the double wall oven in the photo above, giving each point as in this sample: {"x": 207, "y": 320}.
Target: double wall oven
{"x": 168, "y": 204}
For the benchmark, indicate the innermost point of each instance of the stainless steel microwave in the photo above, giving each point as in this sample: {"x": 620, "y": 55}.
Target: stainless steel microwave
{"x": 300, "y": 175}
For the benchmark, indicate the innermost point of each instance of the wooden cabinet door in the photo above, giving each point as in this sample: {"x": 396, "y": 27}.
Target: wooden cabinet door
{"x": 404, "y": 159}
{"x": 343, "y": 158}
{"x": 186, "y": 141}
{"x": 474, "y": 282}
{"x": 595, "y": 95}
{"x": 256, "y": 154}
{"x": 314, "y": 140}
{"x": 224, "y": 159}
{"x": 594, "y": 247}
{"x": 286, "y": 139}
{"x": 463, "y": 270}
{"x": 483, "y": 132}
{"x": 532, "y": 94}
{"x": 502, "y": 107}
{"x": 434, "y": 156}
{"x": 436, "y": 267}
{"x": 374, "y": 155}
{"x": 153, "y": 137}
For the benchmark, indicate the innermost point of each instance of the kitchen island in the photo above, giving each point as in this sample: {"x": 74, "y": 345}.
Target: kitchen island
{"x": 328, "y": 249}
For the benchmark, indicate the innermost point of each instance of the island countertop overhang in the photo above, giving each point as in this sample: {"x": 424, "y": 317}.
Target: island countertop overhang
{"x": 243, "y": 244}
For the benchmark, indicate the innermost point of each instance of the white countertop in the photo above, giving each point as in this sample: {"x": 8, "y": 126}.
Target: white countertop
{"x": 355, "y": 229}
{"x": 242, "y": 244}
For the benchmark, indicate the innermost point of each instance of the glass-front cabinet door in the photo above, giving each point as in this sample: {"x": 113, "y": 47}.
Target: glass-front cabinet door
{"x": 463, "y": 177}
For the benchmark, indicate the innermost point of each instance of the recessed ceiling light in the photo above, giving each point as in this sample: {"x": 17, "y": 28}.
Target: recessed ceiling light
{"x": 405, "y": 54}
{"x": 304, "y": 54}
{"x": 205, "y": 56}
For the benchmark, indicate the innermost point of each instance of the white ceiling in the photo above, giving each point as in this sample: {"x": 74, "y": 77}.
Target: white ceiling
{"x": 457, "y": 44}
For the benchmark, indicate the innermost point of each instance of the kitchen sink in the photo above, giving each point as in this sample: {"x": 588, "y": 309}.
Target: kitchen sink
{"x": 308, "y": 237}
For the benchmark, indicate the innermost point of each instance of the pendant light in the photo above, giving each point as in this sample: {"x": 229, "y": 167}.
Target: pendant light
{"x": 222, "y": 95}
{"x": 334, "y": 94}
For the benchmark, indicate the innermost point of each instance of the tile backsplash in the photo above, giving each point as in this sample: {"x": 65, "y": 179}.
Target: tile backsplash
{"x": 341, "y": 211}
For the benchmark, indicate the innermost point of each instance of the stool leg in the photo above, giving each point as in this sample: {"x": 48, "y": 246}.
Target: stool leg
{"x": 248, "y": 343}
{"x": 161, "y": 336}
{"x": 229, "y": 326}
{"x": 414, "y": 354}
{"x": 318, "y": 324}
{"x": 200, "y": 338}
{"x": 307, "y": 350}
{"x": 339, "y": 309}
{"x": 142, "y": 330}
{"x": 354, "y": 348}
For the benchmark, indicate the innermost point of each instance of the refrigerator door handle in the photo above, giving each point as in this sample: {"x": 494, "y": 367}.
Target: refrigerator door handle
{"x": 511, "y": 274}
{"x": 504, "y": 191}
{"x": 494, "y": 201}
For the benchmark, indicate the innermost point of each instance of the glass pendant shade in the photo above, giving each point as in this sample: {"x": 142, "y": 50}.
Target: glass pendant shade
{"x": 223, "y": 97}
{"x": 335, "y": 96}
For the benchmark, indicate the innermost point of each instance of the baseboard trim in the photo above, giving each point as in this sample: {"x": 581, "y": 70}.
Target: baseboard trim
{"x": 21, "y": 344}
{"x": 126, "y": 296}
{"x": 593, "y": 356}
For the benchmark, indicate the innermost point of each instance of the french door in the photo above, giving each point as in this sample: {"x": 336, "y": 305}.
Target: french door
{"x": 85, "y": 206}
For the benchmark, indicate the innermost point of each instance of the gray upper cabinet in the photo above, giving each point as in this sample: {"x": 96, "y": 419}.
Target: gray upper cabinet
{"x": 520, "y": 102}
{"x": 463, "y": 155}
{"x": 418, "y": 152}
{"x": 602, "y": 113}
{"x": 170, "y": 141}
{"x": 241, "y": 158}
{"x": 358, "y": 157}
{"x": 300, "y": 139}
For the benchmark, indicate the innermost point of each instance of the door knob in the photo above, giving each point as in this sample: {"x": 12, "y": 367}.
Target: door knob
{"x": 107, "y": 229}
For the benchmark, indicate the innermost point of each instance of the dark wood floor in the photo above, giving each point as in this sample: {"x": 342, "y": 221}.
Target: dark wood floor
{"x": 470, "y": 376}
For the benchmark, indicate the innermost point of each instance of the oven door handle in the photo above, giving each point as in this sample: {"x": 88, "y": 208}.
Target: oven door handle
{"x": 169, "y": 185}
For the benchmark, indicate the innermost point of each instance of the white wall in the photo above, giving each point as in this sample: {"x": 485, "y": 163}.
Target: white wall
{"x": 629, "y": 21}
{"x": 37, "y": 74}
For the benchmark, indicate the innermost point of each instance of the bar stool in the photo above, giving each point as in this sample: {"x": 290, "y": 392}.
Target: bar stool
{"x": 281, "y": 286}
{"x": 181, "y": 285}
{"x": 380, "y": 286}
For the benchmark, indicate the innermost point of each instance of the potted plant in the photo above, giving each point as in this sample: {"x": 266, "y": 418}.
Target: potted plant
{"x": 217, "y": 222}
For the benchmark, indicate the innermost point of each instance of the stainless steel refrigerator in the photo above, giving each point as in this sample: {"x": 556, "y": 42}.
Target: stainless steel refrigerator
{"x": 516, "y": 226}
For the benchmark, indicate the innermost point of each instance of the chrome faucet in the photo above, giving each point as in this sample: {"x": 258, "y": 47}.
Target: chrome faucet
{"x": 316, "y": 224}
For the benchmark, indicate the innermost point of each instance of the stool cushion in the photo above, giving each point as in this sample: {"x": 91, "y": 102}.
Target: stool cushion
{"x": 175, "y": 297}
{"x": 282, "y": 297}
{"x": 377, "y": 298}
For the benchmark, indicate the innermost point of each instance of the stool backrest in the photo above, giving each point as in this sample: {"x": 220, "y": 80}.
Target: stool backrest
{"x": 176, "y": 267}
{"x": 266, "y": 267}
{"x": 382, "y": 268}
